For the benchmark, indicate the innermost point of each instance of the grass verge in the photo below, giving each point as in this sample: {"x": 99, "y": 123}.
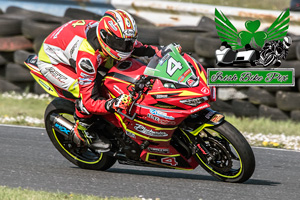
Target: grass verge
{"x": 7, "y": 193}
{"x": 28, "y": 109}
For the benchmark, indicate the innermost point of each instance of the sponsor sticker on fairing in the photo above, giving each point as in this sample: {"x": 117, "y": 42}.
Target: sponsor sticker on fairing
{"x": 130, "y": 134}
{"x": 200, "y": 108}
{"x": 161, "y": 121}
{"x": 149, "y": 132}
{"x": 205, "y": 90}
{"x": 216, "y": 118}
{"x": 158, "y": 150}
{"x": 161, "y": 114}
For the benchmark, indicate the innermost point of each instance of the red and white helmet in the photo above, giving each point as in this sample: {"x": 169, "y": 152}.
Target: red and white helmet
{"x": 117, "y": 33}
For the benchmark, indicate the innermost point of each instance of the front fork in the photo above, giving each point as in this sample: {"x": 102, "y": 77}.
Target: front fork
{"x": 199, "y": 121}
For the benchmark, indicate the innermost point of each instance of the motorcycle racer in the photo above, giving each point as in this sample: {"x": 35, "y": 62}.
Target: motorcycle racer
{"x": 71, "y": 56}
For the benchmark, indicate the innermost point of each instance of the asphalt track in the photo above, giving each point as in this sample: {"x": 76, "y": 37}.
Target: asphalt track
{"x": 29, "y": 160}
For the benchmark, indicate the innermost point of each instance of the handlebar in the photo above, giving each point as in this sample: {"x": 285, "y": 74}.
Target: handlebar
{"x": 135, "y": 91}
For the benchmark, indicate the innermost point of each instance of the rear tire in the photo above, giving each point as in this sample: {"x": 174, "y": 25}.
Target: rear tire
{"x": 240, "y": 163}
{"x": 83, "y": 158}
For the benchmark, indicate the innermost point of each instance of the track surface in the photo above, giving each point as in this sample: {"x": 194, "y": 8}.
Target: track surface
{"x": 29, "y": 160}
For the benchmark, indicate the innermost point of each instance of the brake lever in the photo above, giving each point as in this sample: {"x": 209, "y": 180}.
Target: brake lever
{"x": 119, "y": 111}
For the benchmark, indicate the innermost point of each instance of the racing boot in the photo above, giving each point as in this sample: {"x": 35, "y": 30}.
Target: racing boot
{"x": 88, "y": 138}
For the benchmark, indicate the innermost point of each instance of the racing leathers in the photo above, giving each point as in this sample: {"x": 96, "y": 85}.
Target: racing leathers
{"x": 70, "y": 57}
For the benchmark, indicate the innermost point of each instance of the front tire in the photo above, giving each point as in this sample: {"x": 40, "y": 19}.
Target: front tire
{"x": 82, "y": 157}
{"x": 233, "y": 157}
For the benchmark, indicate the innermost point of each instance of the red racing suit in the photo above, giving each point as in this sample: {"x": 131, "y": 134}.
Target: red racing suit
{"x": 70, "y": 57}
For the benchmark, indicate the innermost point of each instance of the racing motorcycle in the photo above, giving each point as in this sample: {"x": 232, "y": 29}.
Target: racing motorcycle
{"x": 169, "y": 123}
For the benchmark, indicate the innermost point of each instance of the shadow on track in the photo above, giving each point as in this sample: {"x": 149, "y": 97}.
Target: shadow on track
{"x": 186, "y": 176}
{"x": 162, "y": 174}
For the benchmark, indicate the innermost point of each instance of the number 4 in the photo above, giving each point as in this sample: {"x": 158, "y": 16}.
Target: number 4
{"x": 170, "y": 161}
{"x": 173, "y": 65}
{"x": 78, "y": 23}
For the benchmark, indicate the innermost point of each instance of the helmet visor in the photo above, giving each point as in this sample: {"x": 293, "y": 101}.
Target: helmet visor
{"x": 116, "y": 43}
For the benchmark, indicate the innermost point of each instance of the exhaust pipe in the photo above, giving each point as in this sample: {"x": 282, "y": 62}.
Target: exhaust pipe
{"x": 62, "y": 125}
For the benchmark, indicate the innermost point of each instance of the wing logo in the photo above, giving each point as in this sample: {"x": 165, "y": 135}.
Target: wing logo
{"x": 228, "y": 33}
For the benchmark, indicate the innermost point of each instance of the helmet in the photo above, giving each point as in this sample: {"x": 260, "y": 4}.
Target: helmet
{"x": 117, "y": 33}
{"x": 287, "y": 41}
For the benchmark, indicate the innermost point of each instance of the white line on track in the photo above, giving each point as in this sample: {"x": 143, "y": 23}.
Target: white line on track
{"x": 18, "y": 126}
{"x": 32, "y": 127}
{"x": 275, "y": 149}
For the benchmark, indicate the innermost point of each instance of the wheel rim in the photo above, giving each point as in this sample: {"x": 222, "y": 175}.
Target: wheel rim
{"x": 84, "y": 155}
{"x": 227, "y": 162}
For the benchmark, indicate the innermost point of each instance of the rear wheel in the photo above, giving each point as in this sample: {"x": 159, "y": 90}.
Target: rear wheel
{"x": 231, "y": 157}
{"x": 83, "y": 157}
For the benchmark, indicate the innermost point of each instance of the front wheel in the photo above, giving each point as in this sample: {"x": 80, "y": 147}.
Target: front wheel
{"x": 230, "y": 158}
{"x": 83, "y": 157}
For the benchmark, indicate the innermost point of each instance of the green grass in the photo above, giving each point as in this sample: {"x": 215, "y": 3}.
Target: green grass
{"x": 13, "y": 107}
{"x": 265, "y": 4}
{"x": 25, "y": 194}
{"x": 265, "y": 126}
{"x": 20, "y": 108}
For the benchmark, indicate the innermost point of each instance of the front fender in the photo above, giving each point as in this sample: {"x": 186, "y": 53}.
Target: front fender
{"x": 203, "y": 119}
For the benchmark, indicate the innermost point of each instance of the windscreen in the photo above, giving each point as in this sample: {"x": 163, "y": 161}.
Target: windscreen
{"x": 171, "y": 67}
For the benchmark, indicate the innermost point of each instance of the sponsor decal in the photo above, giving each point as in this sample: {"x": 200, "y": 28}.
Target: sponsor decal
{"x": 194, "y": 102}
{"x": 158, "y": 150}
{"x": 216, "y": 118}
{"x": 46, "y": 86}
{"x": 112, "y": 25}
{"x": 205, "y": 90}
{"x": 161, "y": 121}
{"x": 161, "y": 114}
{"x": 127, "y": 23}
{"x": 118, "y": 90}
{"x": 161, "y": 96}
{"x": 84, "y": 81}
{"x": 130, "y": 134}
{"x": 199, "y": 108}
{"x": 128, "y": 32}
{"x": 209, "y": 114}
{"x": 190, "y": 82}
{"x": 166, "y": 57}
{"x": 50, "y": 49}
{"x": 86, "y": 65}
{"x": 56, "y": 74}
{"x": 73, "y": 48}
{"x": 170, "y": 161}
{"x": 182, "y": 77}
{"x": 62, "y": 128}
{"x": 86, "y": 75}
{"x": 149, "y": 132}
{"x": 33, "y": 60}
{"x": 164, "y": 106}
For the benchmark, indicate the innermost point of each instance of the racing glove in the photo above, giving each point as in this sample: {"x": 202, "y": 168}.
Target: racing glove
{"x": 165, "y": 50}
{"x": 122, "y": 102}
